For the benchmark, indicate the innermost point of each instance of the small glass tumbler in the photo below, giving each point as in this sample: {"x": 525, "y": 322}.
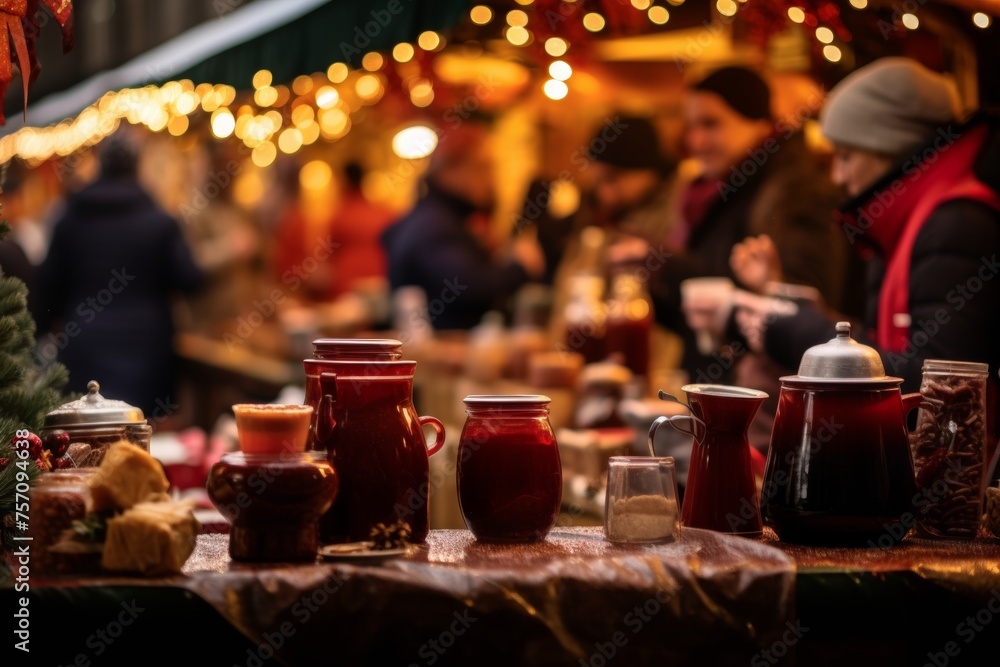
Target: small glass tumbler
{"x": 641, "y": 502}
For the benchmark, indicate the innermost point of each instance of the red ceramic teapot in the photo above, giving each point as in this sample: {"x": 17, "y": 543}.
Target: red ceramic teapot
{"x": 839, "y": 469}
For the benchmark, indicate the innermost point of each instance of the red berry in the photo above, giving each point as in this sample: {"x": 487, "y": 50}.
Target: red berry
{"x": 57, "y": 442}
{"x": 63, "y": 462}
{"x": 34, "y": 445}
{"x": 4, "y": 462}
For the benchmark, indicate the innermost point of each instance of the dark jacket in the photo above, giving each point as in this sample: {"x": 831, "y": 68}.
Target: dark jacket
{"x": 958, "y": 242}
{"x": 788, "y": 197}
{"x": 432, "y": 248}
{"x": 103, "y": 292}
{"x": 954, "y": 286}
{"x": 14, "y": 263}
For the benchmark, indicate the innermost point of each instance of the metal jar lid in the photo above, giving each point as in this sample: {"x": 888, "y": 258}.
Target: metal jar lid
{"x": 842, "y": 360}
{"x": 94, "y": 410}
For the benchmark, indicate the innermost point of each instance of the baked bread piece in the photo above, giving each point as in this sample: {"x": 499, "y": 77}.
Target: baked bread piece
{"x": 152, "y": 538}
{"x": 128, "y": 475}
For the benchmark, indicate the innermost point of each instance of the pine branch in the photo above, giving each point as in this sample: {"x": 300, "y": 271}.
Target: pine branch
{"x": 8, "y": 490}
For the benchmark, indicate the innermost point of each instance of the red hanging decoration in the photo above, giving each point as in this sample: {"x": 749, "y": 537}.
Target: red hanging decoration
{"x": 21, "y": 20}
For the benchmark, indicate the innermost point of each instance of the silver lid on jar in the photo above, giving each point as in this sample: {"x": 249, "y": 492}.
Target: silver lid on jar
{"x": 94, "y": 410}
{"x": 842, "y": 360}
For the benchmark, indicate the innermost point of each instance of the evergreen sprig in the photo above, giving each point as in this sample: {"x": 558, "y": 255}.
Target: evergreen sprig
{"x": 27, "y": 392}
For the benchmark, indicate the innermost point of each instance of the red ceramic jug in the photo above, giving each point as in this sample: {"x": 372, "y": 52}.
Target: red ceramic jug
{"x": 721, "y": 493}
{"x": 328, "y": 353}
{"x": 374, "y": 440}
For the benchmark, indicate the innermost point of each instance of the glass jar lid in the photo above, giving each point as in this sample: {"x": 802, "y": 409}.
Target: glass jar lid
{"x": 964, "y": 368}
{"x": 94, "y": 410}
{"x": 493, "y": 400}
{"x": 842, "y": 360}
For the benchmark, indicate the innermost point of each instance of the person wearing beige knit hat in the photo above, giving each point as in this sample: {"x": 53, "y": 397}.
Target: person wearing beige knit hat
{"x": 883, "y": 113}
{"x": 924, "y": 213}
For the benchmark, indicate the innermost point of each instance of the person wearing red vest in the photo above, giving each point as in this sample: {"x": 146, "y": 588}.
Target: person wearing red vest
{"x": 925, "y": 213}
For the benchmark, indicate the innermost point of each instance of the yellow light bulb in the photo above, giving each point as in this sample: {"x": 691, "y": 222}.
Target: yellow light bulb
{"x": 261, "y": 79}
{"x": 337, "y": 72}
{"x": 223, "y": 123}
{"x": 481, "y": 14}
{"x": 555, "y": 90}
{"x": 560, "y": 70}
{"x": 556, "y": 46}
{"x": 402, "y": 52}
{"x": 593, "y": 22}
{"x": 658, "y": 15}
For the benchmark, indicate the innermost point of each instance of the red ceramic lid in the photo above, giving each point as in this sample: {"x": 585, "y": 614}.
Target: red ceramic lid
{"x": 361, "y": 349}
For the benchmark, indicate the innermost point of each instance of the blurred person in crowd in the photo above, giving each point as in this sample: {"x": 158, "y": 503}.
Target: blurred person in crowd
{"x": 436, "y": 246}
{"x": 226, "y": 244}
{"x": 28, "y": 197}
{"x": 14, "y": 260}
{"x": 289, "y": 246}
{"x": 632, "y": 198}
{"x": 632, "y": 194}
{"x": 554, "y": 231}
{"x": 105, "y": 287}
{"x": 924, "y": 212}
{"x": 757, "y": 178}
{"x": 355, "y": 230}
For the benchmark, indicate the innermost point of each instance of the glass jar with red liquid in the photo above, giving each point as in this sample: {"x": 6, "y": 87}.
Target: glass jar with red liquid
{"x": 630, "y": 320}
{"x": 585, "y": 317}
{"x": 509, "y": 471}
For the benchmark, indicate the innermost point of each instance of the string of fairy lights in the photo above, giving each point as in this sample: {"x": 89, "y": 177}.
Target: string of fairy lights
{"x": 277, "y": 117}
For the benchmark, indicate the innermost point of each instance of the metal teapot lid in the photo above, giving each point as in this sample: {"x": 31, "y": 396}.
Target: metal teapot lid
{"x": 842, "y": 360}
{"x": 94, "y": 410}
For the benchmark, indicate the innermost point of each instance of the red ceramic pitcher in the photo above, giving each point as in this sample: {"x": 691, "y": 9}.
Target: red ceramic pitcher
{"x": 373, "y": 437}
{"x": 721, "y": 493}
{"x": 328, "y": 353}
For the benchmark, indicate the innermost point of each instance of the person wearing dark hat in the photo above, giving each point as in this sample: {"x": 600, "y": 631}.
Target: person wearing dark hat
{"x": 438, "y": 245}
{"x": 632, "y": 200}
{"x": 924, "y": 212}
{"x": 631, "y": 177}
